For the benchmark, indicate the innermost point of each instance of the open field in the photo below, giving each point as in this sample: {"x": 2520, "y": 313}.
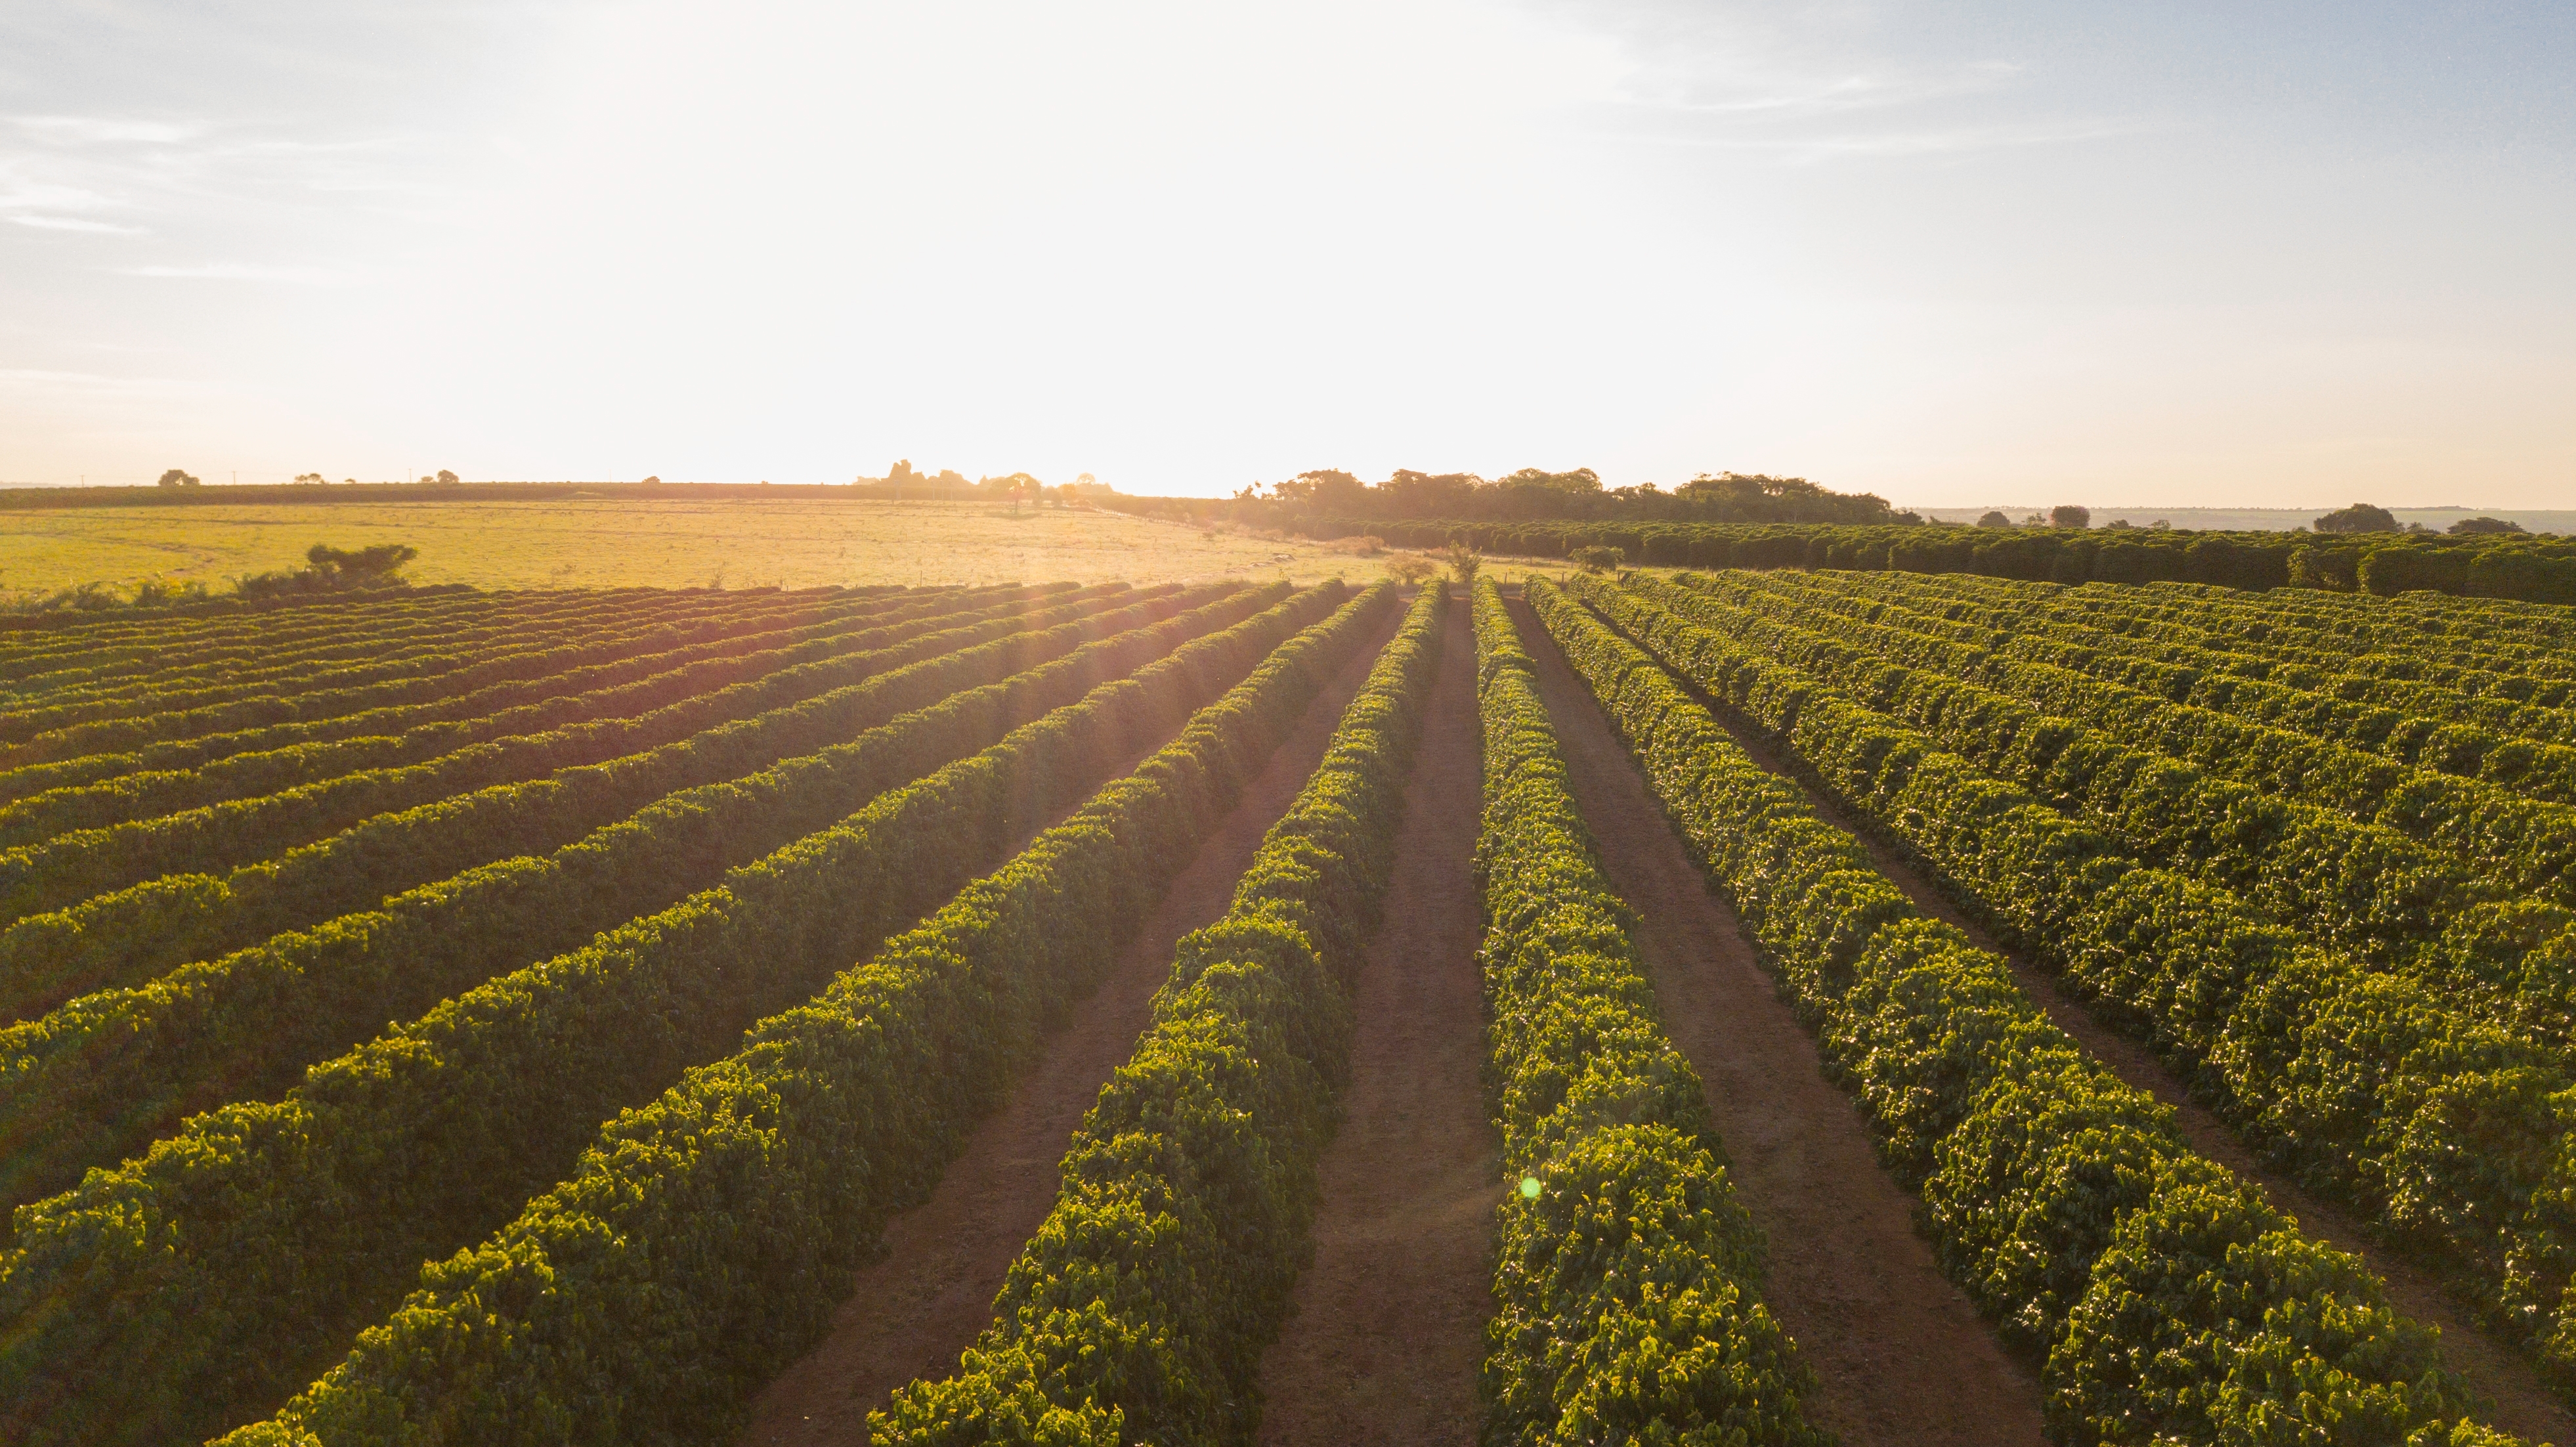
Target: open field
{"x": 1809, "y": 1005}
{"x": 794, "y": 542}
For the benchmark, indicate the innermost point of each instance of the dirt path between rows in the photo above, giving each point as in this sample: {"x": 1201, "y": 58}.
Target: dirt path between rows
{"x": 1900, "y": 1354}
{"x": 911, "y": 1313}
{"x": 1388, "y": 1324}
{"x": 2522, "y": 1403}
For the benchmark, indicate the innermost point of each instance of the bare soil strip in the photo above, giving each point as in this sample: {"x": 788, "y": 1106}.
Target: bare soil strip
{"x": 1900, "y": 1354}
{"x": 1389, "y": 1320}
{"x": 2523, "y": 1404}
{"x": 922, "y": 1303}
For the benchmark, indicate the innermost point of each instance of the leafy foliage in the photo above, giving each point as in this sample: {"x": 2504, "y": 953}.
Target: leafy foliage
{"x": 1139, "y": 1311}
{"x": 434, "y": 1134}
{"x": 1628, "y": 1280}
{"x": 2052, "y": 1189}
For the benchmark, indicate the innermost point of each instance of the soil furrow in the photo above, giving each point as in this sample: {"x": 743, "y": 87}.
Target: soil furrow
{"x": 1900, "y": 1354}
{"x": 924, "y": 1300}
{"x": 1388, "y": 1326}
{"x": 2523, "y": 1404}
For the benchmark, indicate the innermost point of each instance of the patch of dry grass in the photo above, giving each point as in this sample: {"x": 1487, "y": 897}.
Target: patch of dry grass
{"x": 793, "y": 542}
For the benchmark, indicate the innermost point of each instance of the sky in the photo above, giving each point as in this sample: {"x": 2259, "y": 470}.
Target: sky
{"x": 2175, "y": 254}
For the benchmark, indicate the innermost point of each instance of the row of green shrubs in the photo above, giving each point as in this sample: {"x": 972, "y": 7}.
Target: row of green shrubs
{"x": 99, "y": 855}
{"x": 104, "y": 648}
{"x": 2170, "y": 1302}
{"x": 73, "y": 610}
{"x": 621, "y": 683}
{"x": 46, "y": 730}
{"x": 2389, "y": 653}
{"x": 2285, "y": 686}
{"x": 2361, "y": 888}
{"x": 360, "y": 652}
{"x": 171, "y": 918}
{"x": 2447, "y": 1119}
{"x": 114, "y": 667}
{"x": 499, "y": 755}
{"x": 105, "y": 1074}
{"x": 707, "y": 1238}
{"x": 1627, "y": 1278}
{"x": 1139, "y": 1311}
{"x": 2524, "y": 846}
{"x": 674, "y": 676}
{"x": 2521, "y": 568}
{"x": 2310, "y": 689}
{"x": 146, "y": 1304}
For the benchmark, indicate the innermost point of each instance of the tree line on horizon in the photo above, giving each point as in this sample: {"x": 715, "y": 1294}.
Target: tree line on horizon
{"x": 1534, "y": 495}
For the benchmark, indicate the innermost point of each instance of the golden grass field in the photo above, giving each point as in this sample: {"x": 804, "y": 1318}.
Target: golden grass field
{"x": 575, "y": 542}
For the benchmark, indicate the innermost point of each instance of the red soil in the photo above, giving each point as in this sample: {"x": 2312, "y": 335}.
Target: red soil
{"x": 1900, "y": 1355}
{"x": 1389, "y": 1320}
{"x": 911, "y": 1313}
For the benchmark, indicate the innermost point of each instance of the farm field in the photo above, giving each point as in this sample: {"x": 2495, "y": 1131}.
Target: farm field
{"x": 795, "y": 542}
{"x": 1243, "y": 1004}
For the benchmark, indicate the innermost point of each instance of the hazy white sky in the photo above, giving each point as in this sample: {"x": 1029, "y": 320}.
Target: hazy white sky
{"x": 2170, "y": 253}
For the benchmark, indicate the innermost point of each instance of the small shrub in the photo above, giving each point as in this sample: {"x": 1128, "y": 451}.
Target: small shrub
{"x": 1599, "y": 558}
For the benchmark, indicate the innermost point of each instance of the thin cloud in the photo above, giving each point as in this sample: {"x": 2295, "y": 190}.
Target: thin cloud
{"x": 75, "y": 223}
{"x": 103, "y": 130}
{"x": 243, "y": 271}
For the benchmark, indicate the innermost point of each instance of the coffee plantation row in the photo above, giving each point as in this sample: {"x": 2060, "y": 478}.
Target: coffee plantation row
{"x": 442, "y": 1016}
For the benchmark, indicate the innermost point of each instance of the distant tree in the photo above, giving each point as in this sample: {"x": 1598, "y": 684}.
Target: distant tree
{"x": 2472, "y": 527}
{"x": 950, "y": 477}
{"x": 1994, "y": 519}
{"x": 2361, "y": 517}
{"x": 654, "y": 481}
{"x": 1600, "y": 558}
{"x": 447, "y": 477}
{"x": 310, "y": 479}
{"x": 331, "y": 569}
{"x": 366, "y": 564}
{"x": 1464, "y": 561}
{"x": 2119, "y": 523}
{"x": 175, "y": 478}
{"x": 2068, "y": 515}
{"x": 2035, "y": 520}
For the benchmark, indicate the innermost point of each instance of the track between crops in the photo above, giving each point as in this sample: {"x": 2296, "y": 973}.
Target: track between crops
{"x": 2524, "y": 1405}
{"x": 1388, "y": 1325}
{"x": 1900, "y": 1354}
{"x": 911, "y": 1313}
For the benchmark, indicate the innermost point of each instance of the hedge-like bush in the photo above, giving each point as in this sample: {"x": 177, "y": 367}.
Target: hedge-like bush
{"x": 1628, "y": 1278}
